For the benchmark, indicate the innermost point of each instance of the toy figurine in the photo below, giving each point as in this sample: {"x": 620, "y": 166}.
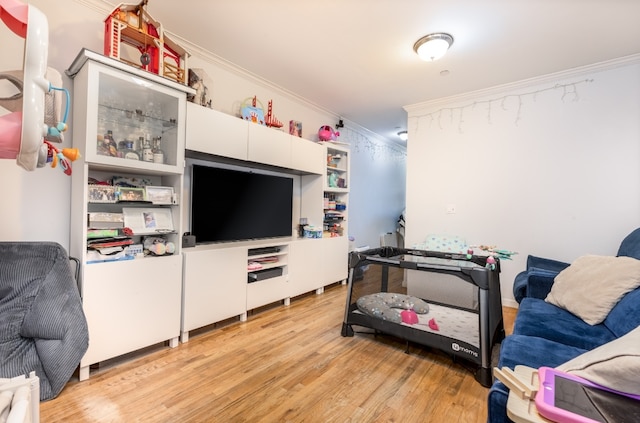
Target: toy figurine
{"x": 333, "y": 180}
{"x": 326, "y": 133}
{"x": 491, "y": 263}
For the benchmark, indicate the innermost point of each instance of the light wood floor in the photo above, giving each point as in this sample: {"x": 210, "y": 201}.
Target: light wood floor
{"x": 284, "y": 364}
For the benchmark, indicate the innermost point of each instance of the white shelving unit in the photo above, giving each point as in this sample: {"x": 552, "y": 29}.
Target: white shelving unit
{"x": 275, "y": 286}
{"x": 130, "y": 303}
{"x": 336, "y": 191}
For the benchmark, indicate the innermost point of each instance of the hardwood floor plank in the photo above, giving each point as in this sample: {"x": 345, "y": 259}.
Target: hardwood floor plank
{"x": 284, "y": 364}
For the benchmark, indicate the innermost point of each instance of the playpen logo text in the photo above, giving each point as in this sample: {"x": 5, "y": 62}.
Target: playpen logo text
{"x": 457, "y": 347}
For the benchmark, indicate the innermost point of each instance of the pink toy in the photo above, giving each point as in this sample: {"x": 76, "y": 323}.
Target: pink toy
{"x": 409, "y": 317}
{"x": 491, "y": 262}
{"x": 433, "y": 325}
{"x": 23, "y": 129}
{"x": 326, "y": 133}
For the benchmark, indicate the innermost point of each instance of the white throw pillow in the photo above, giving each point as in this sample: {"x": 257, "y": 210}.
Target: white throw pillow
{"x": 614, "y": 365}
{"x": 592, "y": 285}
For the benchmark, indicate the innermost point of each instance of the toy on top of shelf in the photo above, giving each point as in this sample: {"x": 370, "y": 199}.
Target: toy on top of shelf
{"x": 199, "y": 81}
{"x": 130, "y": 24}
{"x": 326, "y": 133}
{"x": 252, "y": 113}
{"x": 295, "y": 128}
{"x": 271, "y": 120}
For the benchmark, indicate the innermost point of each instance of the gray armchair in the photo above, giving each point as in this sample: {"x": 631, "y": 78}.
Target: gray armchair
{"x": 43, "y": 327}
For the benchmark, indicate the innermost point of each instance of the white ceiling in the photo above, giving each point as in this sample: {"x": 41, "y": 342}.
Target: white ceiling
{"x": 355, "y": 57}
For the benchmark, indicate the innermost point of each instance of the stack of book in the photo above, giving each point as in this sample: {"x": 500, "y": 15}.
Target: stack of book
{"x": 107, "y": 238}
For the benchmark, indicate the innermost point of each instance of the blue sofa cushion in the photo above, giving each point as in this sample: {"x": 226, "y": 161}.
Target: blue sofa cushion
{"x": 535, "y": 352}
{"x": 625, "y": 316}
{"x": 538, "y": 318}
{"x": 497, "y": 403}
{"x": 528, "y": 351}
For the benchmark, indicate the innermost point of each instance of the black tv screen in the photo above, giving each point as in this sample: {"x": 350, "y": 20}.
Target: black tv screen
{"x": 234, "y": 205}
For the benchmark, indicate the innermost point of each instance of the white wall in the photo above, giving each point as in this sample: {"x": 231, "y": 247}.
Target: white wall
{"x": 36, "y": 204}
{"x": 377, "y": 191}
{"x": 549, "y": 167}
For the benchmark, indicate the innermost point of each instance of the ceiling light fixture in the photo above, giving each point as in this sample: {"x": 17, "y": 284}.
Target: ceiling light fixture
{"x": 433, "y": 46}
{"x": 403, "y": 135}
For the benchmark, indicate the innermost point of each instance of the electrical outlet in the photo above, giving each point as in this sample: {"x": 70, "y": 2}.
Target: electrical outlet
{"x": 451, "y": 209}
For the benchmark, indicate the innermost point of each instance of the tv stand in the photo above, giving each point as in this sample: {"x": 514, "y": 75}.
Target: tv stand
{"x": 216, "y": 283}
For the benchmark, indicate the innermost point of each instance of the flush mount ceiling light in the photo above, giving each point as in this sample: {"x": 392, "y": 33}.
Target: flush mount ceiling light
{"x": 403, "y": 135}
{"x": 433, "y": 46}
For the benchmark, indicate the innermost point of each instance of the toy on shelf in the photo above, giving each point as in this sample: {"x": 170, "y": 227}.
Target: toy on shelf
{"x": 326, "y": 133}
{"x": 33, "y": 119}
{"x": 131, "y": 25}
{"x": 271, "y": 120}
{"x": 199, "y": 81}
{"x": 252, "y": 113}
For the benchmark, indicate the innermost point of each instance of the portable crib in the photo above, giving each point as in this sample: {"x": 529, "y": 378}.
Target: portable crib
{"x": 469, "y": 334}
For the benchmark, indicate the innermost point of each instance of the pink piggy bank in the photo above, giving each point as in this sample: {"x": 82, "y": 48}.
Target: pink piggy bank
{"x": 326, "y": 133}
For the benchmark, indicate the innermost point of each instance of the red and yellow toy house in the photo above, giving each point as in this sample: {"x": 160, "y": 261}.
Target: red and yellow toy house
{"x": 130, "y": 26}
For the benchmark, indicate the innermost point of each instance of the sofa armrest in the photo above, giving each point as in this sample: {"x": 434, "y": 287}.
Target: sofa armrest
{"x": 545, "y": 264}
{"x": 538, "y": 267}
{"x": 539, "y": 285}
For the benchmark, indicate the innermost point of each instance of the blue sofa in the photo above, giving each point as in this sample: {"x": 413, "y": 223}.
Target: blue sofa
{"x": 546, "y": 335}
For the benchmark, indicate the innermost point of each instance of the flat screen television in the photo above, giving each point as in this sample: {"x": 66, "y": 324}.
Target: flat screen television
{"x": 236, "y": 205}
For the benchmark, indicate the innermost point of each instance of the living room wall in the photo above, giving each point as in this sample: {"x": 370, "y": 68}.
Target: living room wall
{"x": 36, "y": 204}
{"x": 549, "y": 167}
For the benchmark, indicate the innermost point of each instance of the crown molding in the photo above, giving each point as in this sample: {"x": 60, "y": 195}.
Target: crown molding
{"x": 105, "y": 8}
{"x": 581, "y": 71}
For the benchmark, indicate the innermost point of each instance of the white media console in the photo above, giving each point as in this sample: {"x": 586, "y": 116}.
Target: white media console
{"x": 216, "y": 284}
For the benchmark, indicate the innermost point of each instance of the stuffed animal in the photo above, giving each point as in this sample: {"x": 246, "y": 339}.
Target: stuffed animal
{"x": 389, "y": 306}
{"x": 326, "y": 133}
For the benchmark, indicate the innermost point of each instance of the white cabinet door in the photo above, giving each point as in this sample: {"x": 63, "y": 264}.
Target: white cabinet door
{"x": 267, "y": 291}
{"x": 336, "y": 259}
{"x": 308, "y": 156}
{"x": 130, "y": 305}
{"x": 214, "y": 286}
{"x": 305, "y": 266}
{"x": 269, "y": 146}
{"x": 213, "y": 132}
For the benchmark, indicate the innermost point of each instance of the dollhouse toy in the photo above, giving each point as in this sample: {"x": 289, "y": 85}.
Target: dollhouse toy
{"x": 130, "y": 25}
